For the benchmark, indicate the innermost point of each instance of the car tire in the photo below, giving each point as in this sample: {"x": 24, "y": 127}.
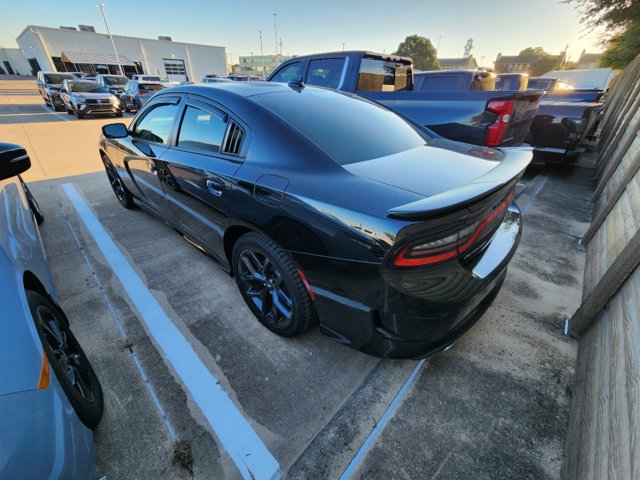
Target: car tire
{"x": 79, "y": 114}
{"x": 67, "y": 360}
{"x": 122, "y": 193}
{"x": 33, "y": 204}
{"x": 271, "y": 285}
{"x": 119, "y": 114}
{"x": 69, "y": 111}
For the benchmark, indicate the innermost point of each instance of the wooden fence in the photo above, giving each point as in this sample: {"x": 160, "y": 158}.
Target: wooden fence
{"x": 604, "y": 426}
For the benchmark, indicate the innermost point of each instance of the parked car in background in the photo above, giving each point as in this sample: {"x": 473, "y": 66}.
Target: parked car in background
{"x": 462, "y": 80}
{"x": 512, "y": 81}
{"x": 216, "y": 80}
{"x": 150, "y": 78}
{"x": 78, "y": 74}
{"x": 49, "y": 87}
{"x": 84, "y": 97}
{"x": 326, "y": 206}
{"x": 597, "y": 79}
{"x": 137, "y": 93}
{"x": 114, "y": 83}
{"x": 558, "y": 91}
{"x": 496, "y": 119}
{"x": 50, "y": 397}
{"x": 568, "y": 113}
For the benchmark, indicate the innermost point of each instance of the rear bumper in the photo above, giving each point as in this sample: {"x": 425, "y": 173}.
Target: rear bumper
{"x": 442, "y": 306}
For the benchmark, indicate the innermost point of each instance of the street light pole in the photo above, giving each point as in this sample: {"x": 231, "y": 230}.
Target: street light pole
{"x": 275, "y": 31}
{"x": 113, "y": 44}
{"x": 261, "y": 54}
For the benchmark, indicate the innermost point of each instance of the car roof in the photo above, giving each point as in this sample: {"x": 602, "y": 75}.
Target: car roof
{"x": 238, "y": 89}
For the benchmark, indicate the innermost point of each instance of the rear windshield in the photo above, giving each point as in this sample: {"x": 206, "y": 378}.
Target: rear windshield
{"x": 377, "y": 75}
{"x": 57, "y": 79}
{"x": 342, "y": 125}
{"x": 86, "y": 87}
{"x": 150, "y": 86}
{"x": 115, "y": 80}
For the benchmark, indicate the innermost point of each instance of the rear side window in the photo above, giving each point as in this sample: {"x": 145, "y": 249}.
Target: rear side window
{"x": 202, "y": 131}
{"x": 325, "y": 73}
{"x": 290, "y": 73}
{"x": 155, "y": 125}
{"x": 384, "y": 76}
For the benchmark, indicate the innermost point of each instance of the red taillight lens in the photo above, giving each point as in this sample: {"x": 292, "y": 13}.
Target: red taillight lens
{"x": 141, "y": 92}
{"x": 428, "y": 253}
{"x": 449, "y": 247}
{"x": 495, "y": 131}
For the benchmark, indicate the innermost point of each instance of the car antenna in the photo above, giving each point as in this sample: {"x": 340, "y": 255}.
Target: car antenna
{"x": 297, "y": 85}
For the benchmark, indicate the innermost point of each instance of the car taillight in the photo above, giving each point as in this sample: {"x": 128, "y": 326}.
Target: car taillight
{"x": 495, "y": 131}
{"x": 449, "y": 247}
{"x": 141, "y": 92}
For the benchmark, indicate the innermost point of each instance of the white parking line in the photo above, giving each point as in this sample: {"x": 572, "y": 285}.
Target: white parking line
{"x": 241, "y": 442}
{"x": 353, "y": 465}
{"x": 52, "y": 112}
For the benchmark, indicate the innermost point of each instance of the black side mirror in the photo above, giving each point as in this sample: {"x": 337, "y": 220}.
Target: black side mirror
{"x": 14, "y": 160}
{"x": 115, "y": 130}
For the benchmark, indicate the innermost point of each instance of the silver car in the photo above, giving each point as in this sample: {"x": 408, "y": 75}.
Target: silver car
{"x": 82, "y": 97}
{"x": 50, "y": 397}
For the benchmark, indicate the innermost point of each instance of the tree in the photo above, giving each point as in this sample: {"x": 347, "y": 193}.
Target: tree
{"x": 421, "y": 50}
{"x": 623, "y": 47}
{"x": 614, "y": 15}
{"x": 534, "y": 51}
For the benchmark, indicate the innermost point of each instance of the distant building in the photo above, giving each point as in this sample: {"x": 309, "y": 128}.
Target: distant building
{"x": 67, "y": 49}
{"x": 13, "y": 63}
{"x": 463, "y": 63}
{"x": 522, "y": 63}
{"x": 256, "y": 65}
{"x": 588, "y": 60}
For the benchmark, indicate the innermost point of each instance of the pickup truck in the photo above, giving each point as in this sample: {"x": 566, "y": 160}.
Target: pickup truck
{"x": 491, "y": 118}
{"x": 562, "y": 92}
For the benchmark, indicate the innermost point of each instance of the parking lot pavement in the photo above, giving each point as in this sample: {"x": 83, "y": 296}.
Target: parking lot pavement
{"x": 493, "y": 406}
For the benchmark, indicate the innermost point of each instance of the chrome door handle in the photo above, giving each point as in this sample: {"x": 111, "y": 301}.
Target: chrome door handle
{"x": 215, "y": 187}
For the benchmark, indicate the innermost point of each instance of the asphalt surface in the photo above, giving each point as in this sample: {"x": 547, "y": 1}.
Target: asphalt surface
{"x": 494, "y": 406}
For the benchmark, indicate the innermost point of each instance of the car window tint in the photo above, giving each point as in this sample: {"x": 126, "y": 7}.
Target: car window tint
{"x": 202, "y": 131}
{"x": 325, "y": 72}
{"x": 289, "y": 73}
{"x": 155, "y": 125}
{"x": 342, "y": 125}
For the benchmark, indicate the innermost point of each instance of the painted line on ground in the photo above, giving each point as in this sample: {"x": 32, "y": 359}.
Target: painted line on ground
{"x": 352, "y": 467}
{"x": 114, "y": 317}
{"x": 234, "y": 431}
{"x": 52, "y": 112}
{"x": 533, "y": 197}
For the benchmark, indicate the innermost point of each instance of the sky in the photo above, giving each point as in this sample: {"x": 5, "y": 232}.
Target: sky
{"x": 504, "y": 26}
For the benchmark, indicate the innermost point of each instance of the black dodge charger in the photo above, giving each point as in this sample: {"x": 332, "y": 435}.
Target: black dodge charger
{"x": 326, "y": 208}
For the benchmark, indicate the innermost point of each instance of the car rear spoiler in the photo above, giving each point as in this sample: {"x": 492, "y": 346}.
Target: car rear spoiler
{"x": 508, "y": 170}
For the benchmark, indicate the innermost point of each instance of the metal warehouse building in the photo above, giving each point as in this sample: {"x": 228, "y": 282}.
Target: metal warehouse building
{"x": 70, "y": 49}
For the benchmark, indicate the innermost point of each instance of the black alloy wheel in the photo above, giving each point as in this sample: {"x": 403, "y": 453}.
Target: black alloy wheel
{"x": 67, "y": 360}
{"x": 122, "y": 193}
{"x": 271, "y": 285}
{"x": 33, "y": 204}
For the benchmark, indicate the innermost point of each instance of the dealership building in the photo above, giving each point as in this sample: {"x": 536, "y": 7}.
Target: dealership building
{"x": 83, "y": 49}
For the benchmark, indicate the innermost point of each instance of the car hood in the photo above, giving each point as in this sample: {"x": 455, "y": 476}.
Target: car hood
{"x": 428, "y": 170}
{"x": 93, "y": 95}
